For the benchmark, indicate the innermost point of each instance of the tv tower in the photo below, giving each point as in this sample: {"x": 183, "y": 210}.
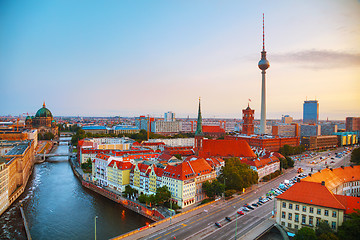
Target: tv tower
{"x": 263, "y": 65}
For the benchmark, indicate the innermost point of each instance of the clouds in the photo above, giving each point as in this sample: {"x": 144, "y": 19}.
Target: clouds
{"x": 319, "y": 59}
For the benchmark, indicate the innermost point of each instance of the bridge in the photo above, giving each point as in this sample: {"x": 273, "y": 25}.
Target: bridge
{"x": 45, "y": 156}
{"x": 66, "y": 134}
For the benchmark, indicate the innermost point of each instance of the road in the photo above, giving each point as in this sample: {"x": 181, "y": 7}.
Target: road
{"x": 201, "y": 224}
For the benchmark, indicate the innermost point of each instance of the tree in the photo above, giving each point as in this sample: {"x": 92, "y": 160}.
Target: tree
{"x": 355, "y": 156}
{"x": 237, "y": 175}
{"x": 129, "y": 191}
{"x": 305, "y": 233}
{"x": 323, "y": 228}
{"x": 350, "y": 229}
{"x": 328, "y": 236}
{"x": 162, "y": 194}
{"x": 208, "y": 189}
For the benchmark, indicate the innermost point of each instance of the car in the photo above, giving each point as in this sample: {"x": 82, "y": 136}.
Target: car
{"x": 254, "y": 204}
{"x": 240, "y": 212}
{"x": 228, "y": 218}
{"x": 332, "y": 158}
{"x": 332, "y": 162}
{"x": 218, "y": 224}
{"x": 259, "y": 203}
{"x": 250, "y": 207}
{"x": 245, "y": 209}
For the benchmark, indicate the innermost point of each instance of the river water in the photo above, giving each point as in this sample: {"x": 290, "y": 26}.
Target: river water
{"x": 58, "y": 207}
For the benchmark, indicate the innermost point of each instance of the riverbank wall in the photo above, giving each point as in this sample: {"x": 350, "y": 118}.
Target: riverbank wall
{"x": 151, "y": 213}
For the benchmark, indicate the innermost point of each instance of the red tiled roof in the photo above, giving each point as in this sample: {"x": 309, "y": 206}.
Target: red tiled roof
{"x": 261, "y": 162}
{"x": 120, "y": 164}
{"x": 335, "y": 177}
{"x": 311, "y": 193}
{"x": 152, "y": 143}
{"x": 350, "y": 203}
{"x": 212, "y": 129}
{"x": 225, "y": 148}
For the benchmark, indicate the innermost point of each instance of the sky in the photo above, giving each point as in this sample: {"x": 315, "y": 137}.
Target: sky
{"x": 131, "y": 58}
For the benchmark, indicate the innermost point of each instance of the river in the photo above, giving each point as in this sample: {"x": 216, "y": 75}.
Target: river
{"x": 58, "y": 207}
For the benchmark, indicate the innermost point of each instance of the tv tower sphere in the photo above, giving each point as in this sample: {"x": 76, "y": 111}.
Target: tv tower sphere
{"x": 263, "y": 63}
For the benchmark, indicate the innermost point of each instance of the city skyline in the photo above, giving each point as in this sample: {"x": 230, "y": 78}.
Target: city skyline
{"x": 120, "y": 58}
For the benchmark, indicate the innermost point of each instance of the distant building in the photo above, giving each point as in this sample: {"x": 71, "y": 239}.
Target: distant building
{"x": 347, "y": 138}
{"x": 352, "y": 124}
{"x": 248, "y": 121}
{"x": 95, "y": 129}
{"x": 124, "y": 129}
{"x": 164, "y": 127}
{"x": 265, "y": 165}
{"x": 311, "y": 112}
{"x": 285, "y": 130}
{"x": 328, "y": 128}
{"x": 319, "y": 142}
{"x": 169, "y": 117}
{"x": 143, "y": 123}
{"x": 286, "y": 119}
{"x": 43, "y": 121}
{"x": 270, "y": 143}
{"x": 310, "y": 130}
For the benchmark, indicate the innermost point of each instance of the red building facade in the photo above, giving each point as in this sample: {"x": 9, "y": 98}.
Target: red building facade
{"x": 248, "y": 118}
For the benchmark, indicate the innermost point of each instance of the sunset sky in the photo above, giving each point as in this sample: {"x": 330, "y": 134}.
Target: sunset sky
{"x": 130, "y": 58}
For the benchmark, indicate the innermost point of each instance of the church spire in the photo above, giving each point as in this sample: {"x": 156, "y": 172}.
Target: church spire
{"x": 44, "y": 104}
{"x": 199, "y": 122}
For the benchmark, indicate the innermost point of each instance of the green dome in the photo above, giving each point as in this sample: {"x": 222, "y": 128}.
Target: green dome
{"x": 28, "y": 117}
{"x": 43, "y": 112}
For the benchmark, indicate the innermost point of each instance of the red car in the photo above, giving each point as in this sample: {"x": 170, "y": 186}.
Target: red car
{"x": 240, "y": 212}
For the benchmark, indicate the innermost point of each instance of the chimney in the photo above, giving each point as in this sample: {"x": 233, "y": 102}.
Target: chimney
{"x": 319, "y": 170}
{"x": 331, "y": 169}
{"x": 298, "y": 180}
{"x": 352, "y": 166}
{"x": 309, "y": 174}
{"x": 342, "y": 167}
{"x": 323, "y": 183}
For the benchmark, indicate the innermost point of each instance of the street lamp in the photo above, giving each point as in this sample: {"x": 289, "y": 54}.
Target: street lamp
{"x": 95, "y": 226}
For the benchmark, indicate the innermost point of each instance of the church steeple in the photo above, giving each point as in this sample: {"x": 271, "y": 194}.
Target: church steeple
{"x": 199, "y": 122}
{"x": 44, "y": 104}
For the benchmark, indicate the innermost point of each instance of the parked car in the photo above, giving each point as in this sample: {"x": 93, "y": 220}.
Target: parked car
{"x": 228, "y": 218}
{"x": 254, "y": 204}
{"x": 250, "y": 207}
{"x": 241, "y": 212}
{"x": 218, "y": 224}
{"x": 332, "y": 162}
{"x": 245, "y": 209}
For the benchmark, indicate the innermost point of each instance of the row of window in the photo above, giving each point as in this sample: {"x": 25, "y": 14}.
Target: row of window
{"x": 303, "y": 219}
{"x": 296, "y": 226}
{"x": 311, "y": 209}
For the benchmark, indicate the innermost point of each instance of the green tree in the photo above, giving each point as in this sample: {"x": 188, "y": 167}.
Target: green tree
{"x": 305, "y": 233}
{"x": 323, "y": 228}
{"x": 162, "y": 194}
{"x": 350, "y": 229}
{"x": 237, "y": 175}
{"x": 129, "y": 191}
{"x": 355, "y": 156}
{"x": 328, "y": 236}
{"x": 219, "y": 188}
{"x": 208, "y": 189}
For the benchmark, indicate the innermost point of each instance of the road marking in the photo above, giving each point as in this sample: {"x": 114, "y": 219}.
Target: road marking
{"x": 167, "y": 233}
{"x": 157, "y": 238}
{"x": 184, "y": 224}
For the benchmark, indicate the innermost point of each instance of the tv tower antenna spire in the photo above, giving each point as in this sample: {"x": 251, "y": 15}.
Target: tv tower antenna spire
{"x": 263, "y": 33}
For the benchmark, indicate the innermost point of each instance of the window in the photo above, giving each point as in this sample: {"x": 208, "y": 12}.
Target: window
{"x": 333, "y": 225}
{"x": 283, "y": 215}
{"x": 326, "y": 213}
{"x": 311, "y": 210}
{"x": 290, "y": 216}
{"x": 283, "y": 223}
{"x": 303, "y": 220}
{"x": 319, "y": 211}
{"x": 311, "y": 221}
{"x": 289, "y": 225}
{"x": 334, "y": 214}
{"x": 284, "y": 204}
{"x": 296, "y": 217}
{"x": 304, "y": 208}
{"x": 317, "y": 221}
{"x": 297, "y": 207}
{"x": 290, "y": 205}
{"x": 296, "y": 226}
